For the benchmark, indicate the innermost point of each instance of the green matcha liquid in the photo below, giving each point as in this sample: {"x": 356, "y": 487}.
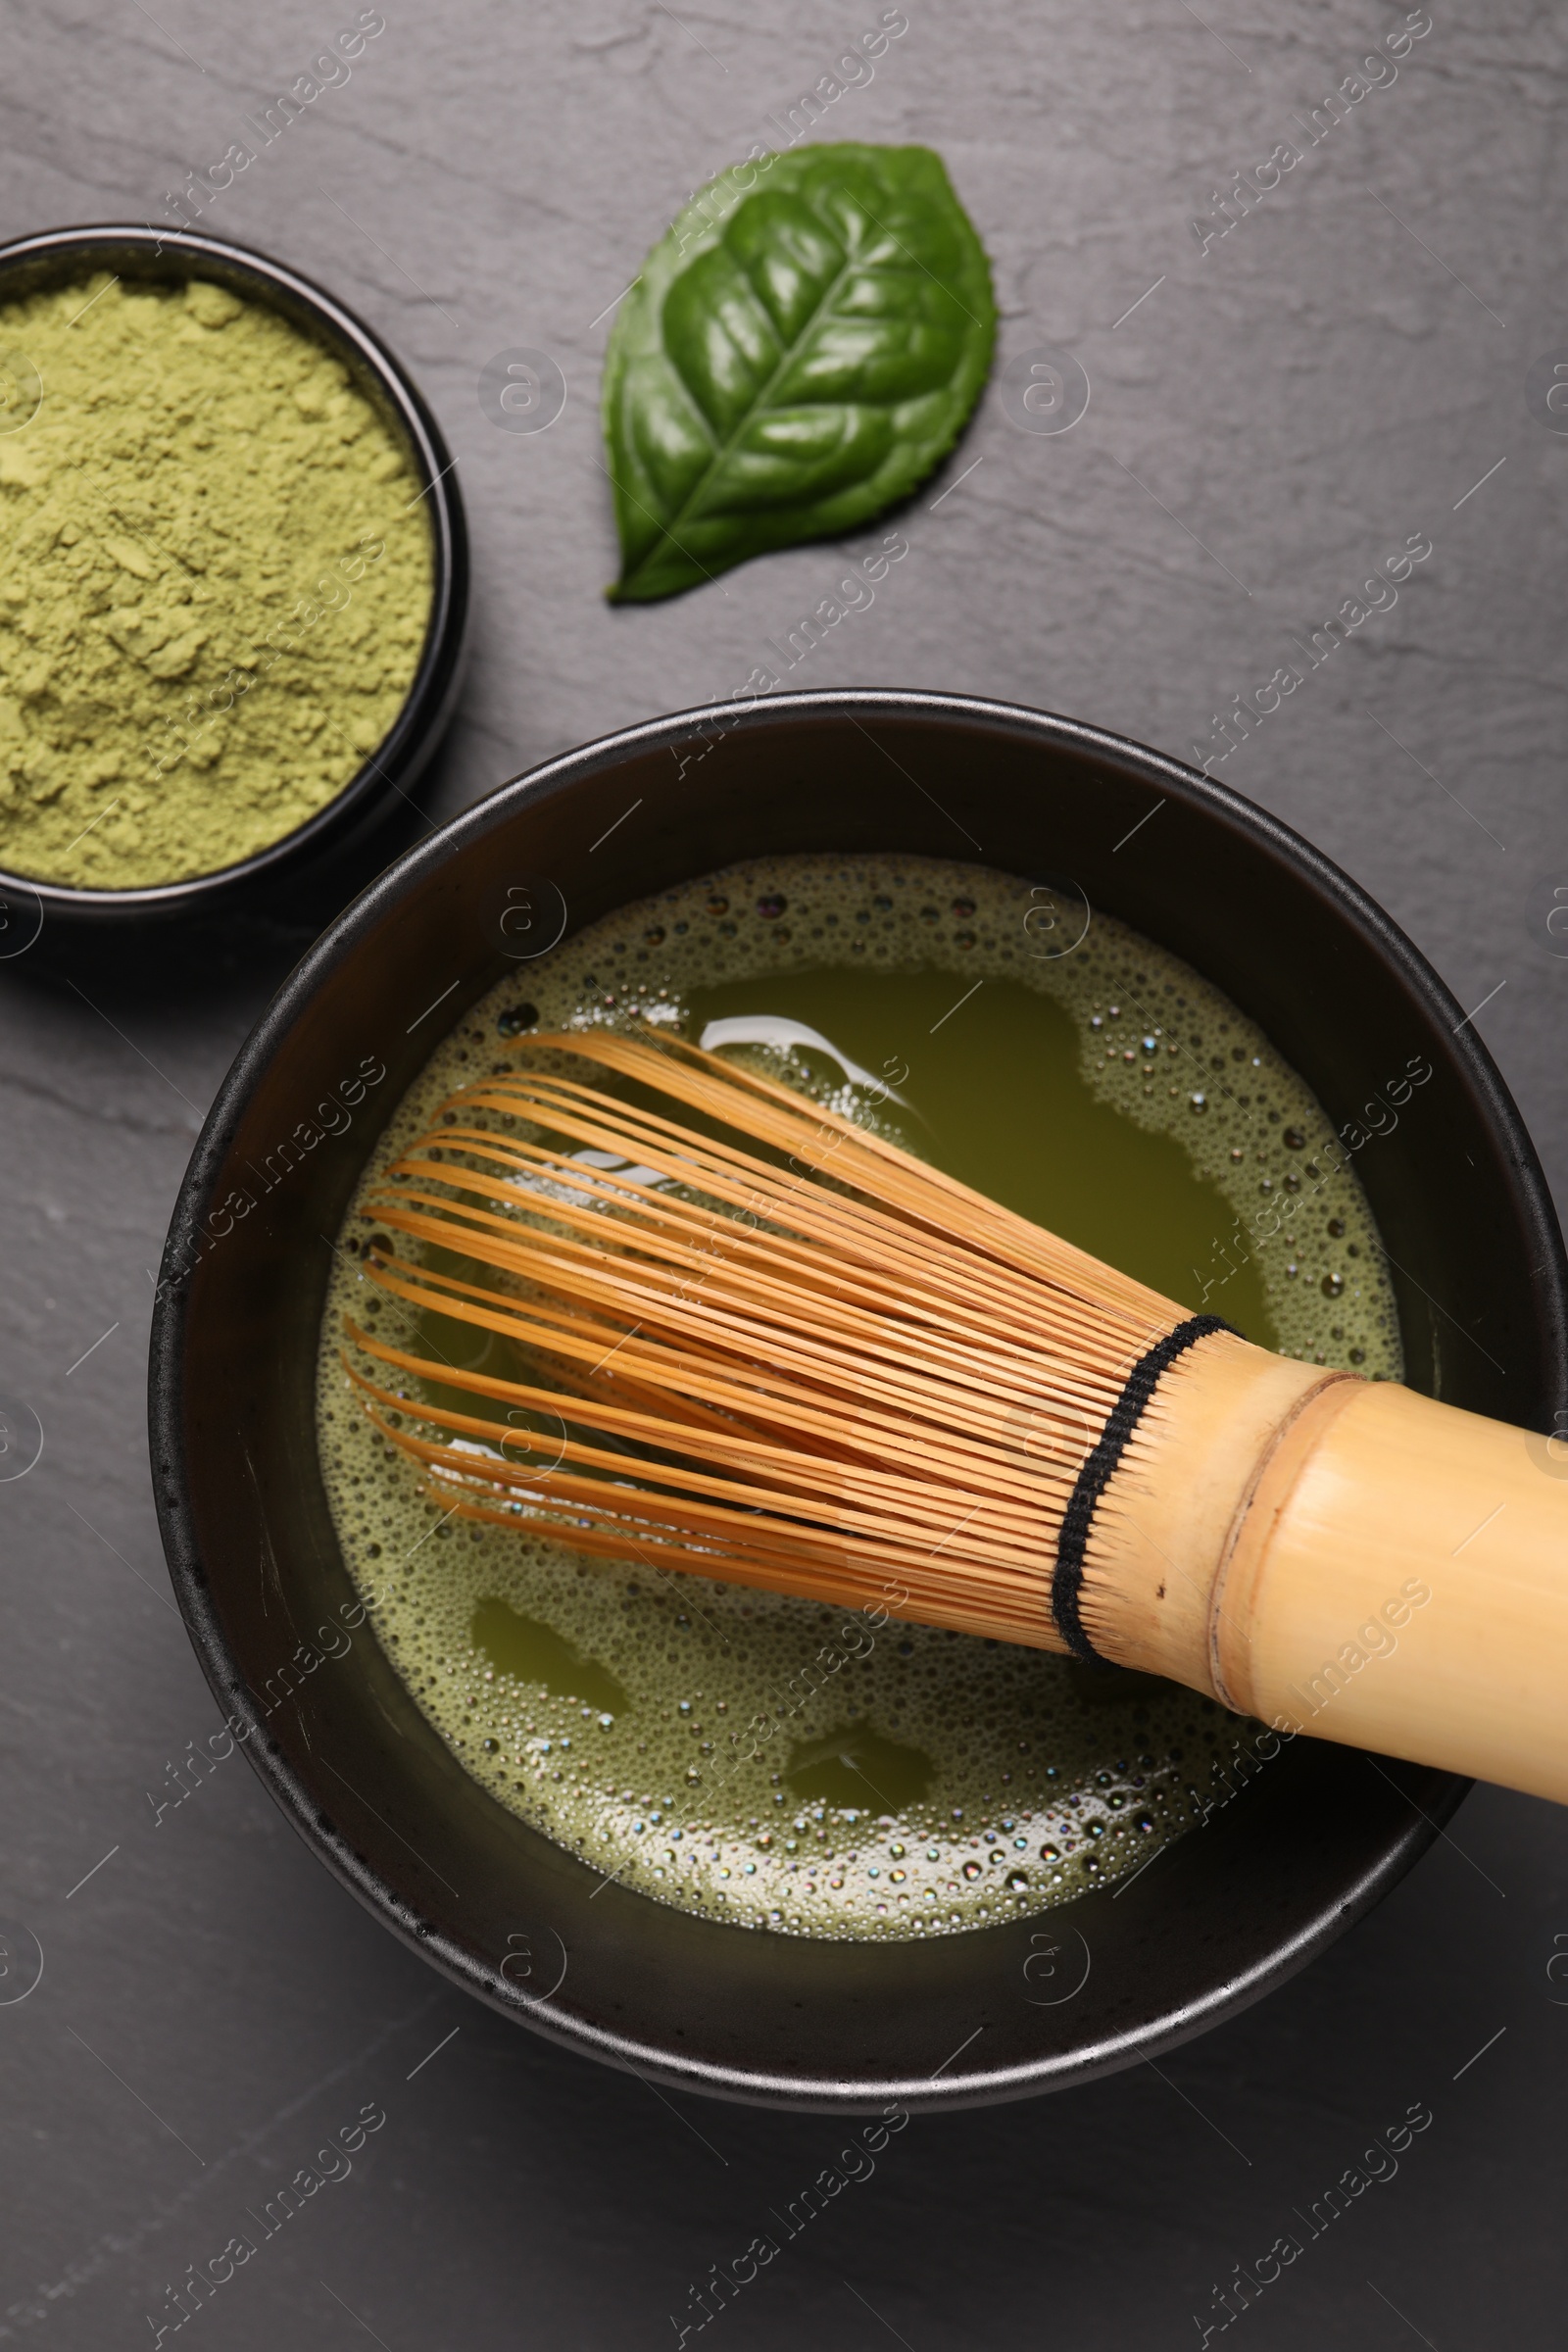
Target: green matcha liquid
{"x": 908, "y": 1781}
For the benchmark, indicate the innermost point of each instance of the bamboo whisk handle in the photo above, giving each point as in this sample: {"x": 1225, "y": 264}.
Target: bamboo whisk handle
{"x": 1388, "y": 1572}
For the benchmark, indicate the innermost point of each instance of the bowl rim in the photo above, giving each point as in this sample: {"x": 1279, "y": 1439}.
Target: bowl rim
{"x": 1027, "y": 2078}
{"x": 431, "y": 695}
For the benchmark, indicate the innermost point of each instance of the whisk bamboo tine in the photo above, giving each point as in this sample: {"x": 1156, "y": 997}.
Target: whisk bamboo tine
{"x": 930, "y": 1380}
{"x": 1094, "y": 1333}
{"x": 784, "y": 1120}
{"x": 790, "y": 1354}
{"x": 743, "y": 1182}
{"x": 720, "y": 1507}
{"x": 893, "y": 1275}
{"x": 778, "y": 1410}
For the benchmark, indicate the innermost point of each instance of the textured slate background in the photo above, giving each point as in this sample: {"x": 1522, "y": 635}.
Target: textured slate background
{"x": 1330, "y": 378}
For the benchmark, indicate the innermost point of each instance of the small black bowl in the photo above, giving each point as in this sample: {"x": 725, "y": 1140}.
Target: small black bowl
{"x": 1227, "y": 1912}
{"x": 33, "y": 264}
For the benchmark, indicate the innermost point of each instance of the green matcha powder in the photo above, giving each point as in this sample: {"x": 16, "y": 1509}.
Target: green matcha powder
{"x": 214, "y": 587}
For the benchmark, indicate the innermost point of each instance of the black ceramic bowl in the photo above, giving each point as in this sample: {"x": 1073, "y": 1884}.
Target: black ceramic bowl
{"x": 1231, "y": 1910}
{"x": 31, "y": 266}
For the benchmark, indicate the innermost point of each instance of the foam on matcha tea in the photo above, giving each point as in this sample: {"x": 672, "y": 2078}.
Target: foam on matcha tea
{"x": 908, "y": 1782}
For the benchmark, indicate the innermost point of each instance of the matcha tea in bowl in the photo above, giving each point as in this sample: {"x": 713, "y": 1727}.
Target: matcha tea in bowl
{"x": 235, "y": 581}
{"x": 812, "y": 1856}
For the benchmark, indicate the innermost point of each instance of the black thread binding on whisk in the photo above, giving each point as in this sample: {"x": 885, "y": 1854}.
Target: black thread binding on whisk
{"x": 1067, "y": 1583}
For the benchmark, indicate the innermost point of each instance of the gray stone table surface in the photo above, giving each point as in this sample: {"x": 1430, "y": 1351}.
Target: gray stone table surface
{"x": 1273, "y": 408}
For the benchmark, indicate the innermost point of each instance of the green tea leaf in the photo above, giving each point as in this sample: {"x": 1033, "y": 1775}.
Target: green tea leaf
{"x": 792, "y": 360}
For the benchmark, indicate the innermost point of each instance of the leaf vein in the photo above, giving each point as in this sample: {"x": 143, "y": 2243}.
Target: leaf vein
{"x": 725, "y": 449}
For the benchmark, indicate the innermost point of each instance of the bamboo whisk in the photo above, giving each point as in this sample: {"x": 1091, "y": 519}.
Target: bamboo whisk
{"x": 755, "y": 1341}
